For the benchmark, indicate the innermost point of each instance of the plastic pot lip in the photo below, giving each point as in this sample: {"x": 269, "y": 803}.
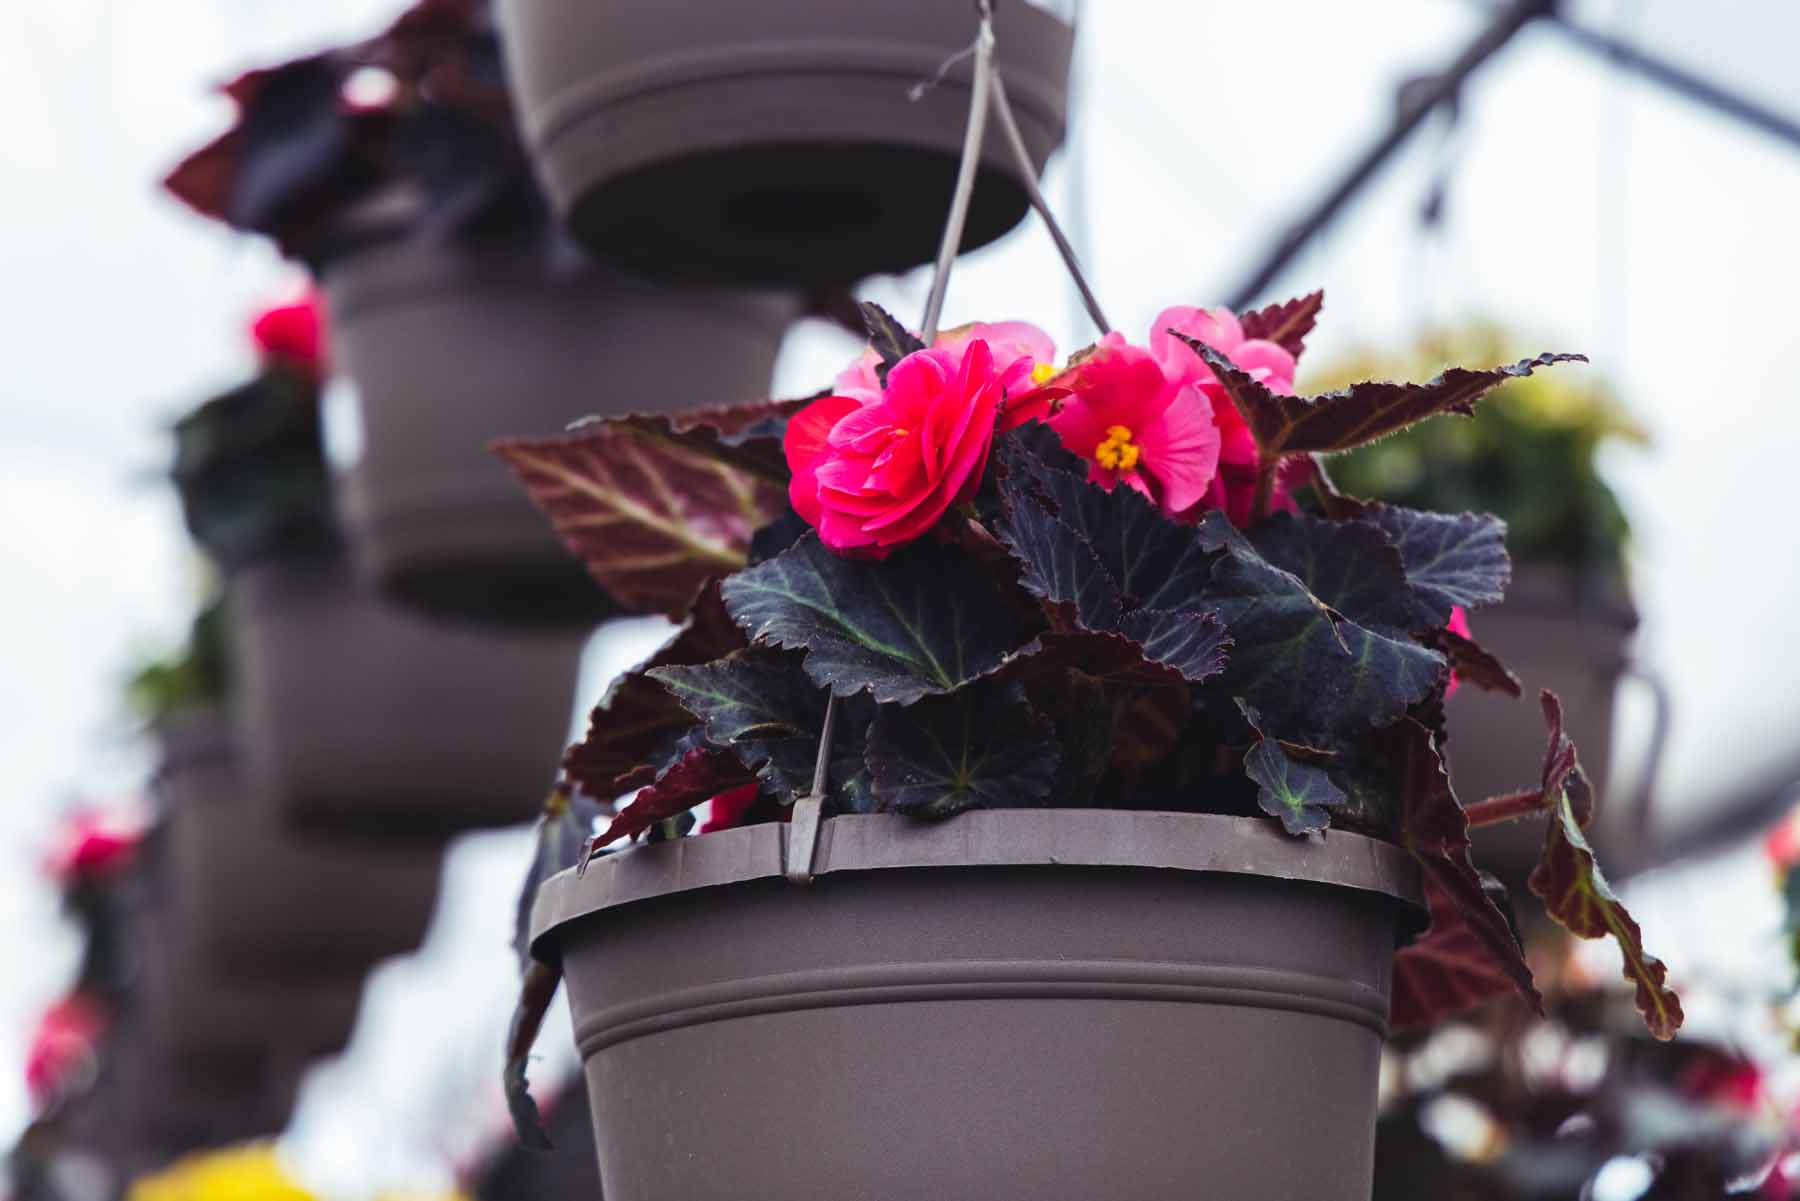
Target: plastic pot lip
{"x": 1046, "y": 838}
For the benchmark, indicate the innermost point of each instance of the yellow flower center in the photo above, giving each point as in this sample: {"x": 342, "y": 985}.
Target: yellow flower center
{"x": 1118, "y": 452}
{"x": 1042, "y": 373}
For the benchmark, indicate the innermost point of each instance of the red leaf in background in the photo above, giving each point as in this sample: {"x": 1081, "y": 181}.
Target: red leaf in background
{"x": 698, "y": 775}
{"x": 637, "y": 715}
{"x": 1449, "y": 969}
{"x": 1434, "y": 828}
{"x": 1285, "y": 324}
{"x": 1575, "y": 893}
{"x": 656, "y": 507}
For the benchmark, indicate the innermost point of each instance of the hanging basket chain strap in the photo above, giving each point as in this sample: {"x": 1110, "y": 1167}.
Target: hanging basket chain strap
{"x": 987, "y": 93}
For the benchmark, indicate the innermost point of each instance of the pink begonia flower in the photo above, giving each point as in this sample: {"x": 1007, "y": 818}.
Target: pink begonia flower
{"x": 872, "y": 475}
{"x": 1024, "y": 353}
{"x": 1458, "y": 624}
{"x": 294, "y": 335}
{"x": 66, "y": 1037}
{"x": 1782, "y": 844}
{"x": 1135, "y": 426}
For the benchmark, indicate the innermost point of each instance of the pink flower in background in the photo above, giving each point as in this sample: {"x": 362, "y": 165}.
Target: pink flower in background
{"x": 294, "y": 335}
{"x": 1263, "y": 361}
{"x": 874, "y": 474}
{"x": 1137, "y": 427}
{"x": 66, "y": 1038}
{"x": 91, "y": 843}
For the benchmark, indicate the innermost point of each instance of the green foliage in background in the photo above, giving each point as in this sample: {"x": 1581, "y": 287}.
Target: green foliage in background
{"x": 1527, "y": 455}
{"x": 192, "y": 676}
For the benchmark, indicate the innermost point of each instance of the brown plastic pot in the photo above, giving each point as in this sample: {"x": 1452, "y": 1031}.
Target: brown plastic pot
{"x": 1553, "y": 634}
{"x": 1053, "y": 1005}
{"x": 260, "y": 899}
{"x": 356, "y": 714}
{"x": 773, "y": 141}
{"x": 451, "y": 347}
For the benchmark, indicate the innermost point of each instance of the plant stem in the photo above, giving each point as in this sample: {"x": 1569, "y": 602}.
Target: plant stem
{"x": 1028, "y": 177}
{"x": 1504, "y": 808}
{"x": 973, "y": 134}
{"x": 1266, "y": 469}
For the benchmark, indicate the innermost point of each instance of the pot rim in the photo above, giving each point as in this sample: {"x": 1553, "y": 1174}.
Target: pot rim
{"x": 1053, "y": 838}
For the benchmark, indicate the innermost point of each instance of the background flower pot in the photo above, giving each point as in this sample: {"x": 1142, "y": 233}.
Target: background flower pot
{"x": 260, "y": 899}
{"x": 1042, "y": 1004}
{"x": 774, "y": 140}
{"x": 1553, "y": 633}
{"x": 353, "y": 713}
{"x": 450, "y": 347}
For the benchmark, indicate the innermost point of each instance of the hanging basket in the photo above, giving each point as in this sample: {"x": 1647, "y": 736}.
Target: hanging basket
{"x": 1553, "y": 633}
{"x": 259, "y": 899}
{"x": 450, "y": 347}
{"x": 1049, "y": 1005}
{"x": 770, "y": 141}
{"x": 357, "y": 715}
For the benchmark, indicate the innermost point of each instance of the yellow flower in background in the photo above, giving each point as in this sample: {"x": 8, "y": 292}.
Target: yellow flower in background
{"x": 247, "y": 1173}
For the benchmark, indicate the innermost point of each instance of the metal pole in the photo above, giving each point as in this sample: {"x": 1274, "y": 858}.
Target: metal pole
{"x": 1415, "y": 104}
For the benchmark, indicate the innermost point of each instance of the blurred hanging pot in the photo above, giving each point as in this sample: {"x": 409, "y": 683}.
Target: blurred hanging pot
{"x": 1570, "y": 633}
{"x": 197, "y": 1012}
{"x": 452, "y": 345}
{"x": 260, "y": 899}
{"x": 355, "y": 714}
{"x": 1018, "y": 1003}
{"x": 769, "y": 141}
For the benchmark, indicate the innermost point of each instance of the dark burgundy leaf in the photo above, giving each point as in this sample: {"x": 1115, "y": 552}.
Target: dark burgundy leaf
{"x": 1285, "y": 324}
{"x": 1473, "y": 664}
{"x": 891, "y": 340}
{"x": 1354, "y": 568}
{"x": 1451, "y": 558}
{"x": 1575, "y": 892}
{"x": 638, "y": 718}
{"x": 697, "y": 774}
{"x": 978, "y": 748}
{"x": 1361, "y": 413}
{"x": 1299, "y": 793}
{"x": 1448, "y": 970}
{"x": 760, "y": 704}
{"x": 563, "y": 833}
{"x": 922, "y": 622}
{"x": 654, "y": 516}
{"x": 1436, "y": 832}
{"x": 1309, "y": 669}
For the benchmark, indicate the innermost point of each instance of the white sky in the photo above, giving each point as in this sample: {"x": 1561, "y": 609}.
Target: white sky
{"x": 1588, "y": 210}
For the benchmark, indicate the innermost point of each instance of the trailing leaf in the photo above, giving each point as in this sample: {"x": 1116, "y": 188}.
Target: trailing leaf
{"x": 1451, "y": 558}
{"x": 982, "y": 747}
{"x": 889, "y": 339}
{"x": 1301, "y": 794}
{"x": 654, "y": 516}
{"x": 1285, "y": 324}
{"x": 760, "y": 703}
{"x": 1309, "y": 669}
{"x": 536, "y": 990}
{"x": 1577, "y": 895}
{"x": 564, "y": 831}
{"x": 696, "y": 774}
{"x": 1361, "y": 413}
{"x": 632, "y": 728}
{"x": 922, "y": 622}
{"x": 1448, "y": 970}
{"x": 1435, "y": 831}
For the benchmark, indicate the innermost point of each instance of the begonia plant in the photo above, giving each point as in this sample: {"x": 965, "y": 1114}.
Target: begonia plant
{"x": 1125, "y": 580}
